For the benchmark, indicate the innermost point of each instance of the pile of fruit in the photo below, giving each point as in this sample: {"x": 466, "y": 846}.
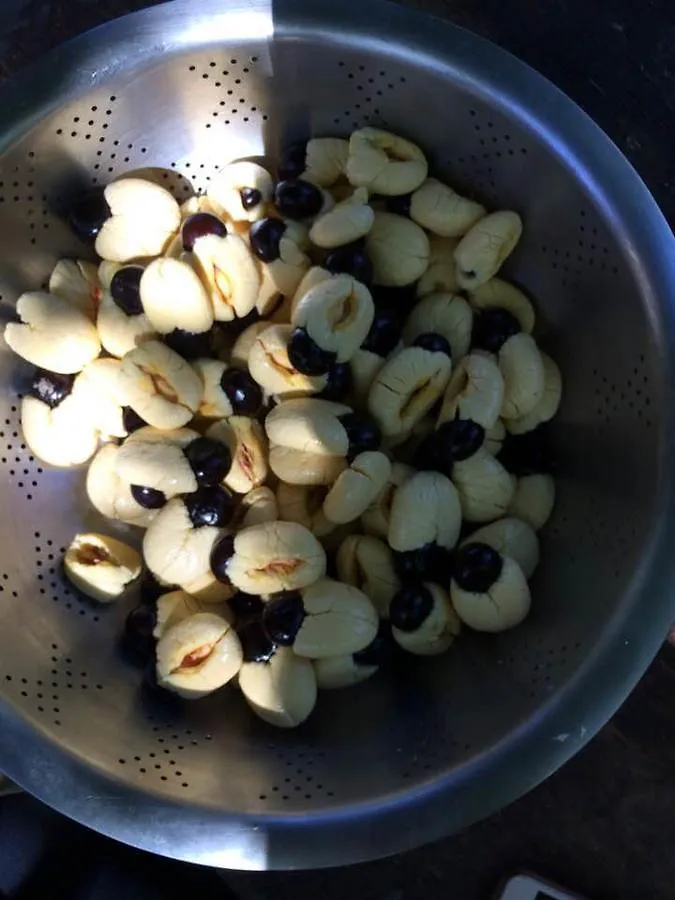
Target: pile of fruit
{"x": 319, "y": 402}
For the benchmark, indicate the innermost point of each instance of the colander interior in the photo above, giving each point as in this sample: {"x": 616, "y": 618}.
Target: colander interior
{"x": 191, "y": 111}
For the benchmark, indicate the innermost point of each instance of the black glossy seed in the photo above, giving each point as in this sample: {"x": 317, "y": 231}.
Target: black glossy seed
{"x": 339, "y": 382}
{"x": 264, "y": 237}
{"x": 298, "y": 199}
{"x": 306, "y": 356}
{"x": 381, "y": 650}
{"x": 190, "y": 345}
{"x": 51, "y": 387}
{"x": 148, "y": 497}
{"x": 282, "y": 618}
{"x": 399, "y": 205}
{"x": 250, "y": 197}
{"x": 476, "y": 567}
{"x": 492, "y": 328}
{"x": 151, "y": 589}
{"x": 245, "y": 606}
{"x": 385, "y": 332}
{"x": 292, "y": 163}
{"x": 138, "y": 642}
{"x": 125, "y": 289}
{"x": 131, "y": 420}
{"x": 255, "y": 643}
{"x": 410, "y": 607}
{"x": 221, "y": 555}
{"x": 459, "y": 439}
{"x": 362, "y": 432}
{"x": 427, "y": 563}
{"x": 210, "y": 506}
{"x": 527, "y": 454}
{"x": 243, "y": 392}
{"x": 210, "y": 460}
{"x": 199, "y": 225}
{"x": 87, "y": 214}
{"x": 433, "y": 342}
{"x": 351, "y": 259}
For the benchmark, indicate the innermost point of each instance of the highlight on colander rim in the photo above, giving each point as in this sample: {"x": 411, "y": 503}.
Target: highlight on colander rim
{"x": 335, "y": 430}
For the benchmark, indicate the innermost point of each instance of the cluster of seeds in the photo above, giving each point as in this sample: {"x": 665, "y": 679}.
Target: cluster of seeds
{"x": 318, "y": 403}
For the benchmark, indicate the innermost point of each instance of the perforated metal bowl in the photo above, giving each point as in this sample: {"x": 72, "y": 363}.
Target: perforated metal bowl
{"x": 390, "y": 764}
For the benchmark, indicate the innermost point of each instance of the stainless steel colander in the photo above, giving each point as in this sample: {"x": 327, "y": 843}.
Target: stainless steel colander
{"x": 393, "y": 763}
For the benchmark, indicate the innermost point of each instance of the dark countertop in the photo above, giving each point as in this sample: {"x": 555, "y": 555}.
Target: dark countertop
{"x": 601, "y": 825}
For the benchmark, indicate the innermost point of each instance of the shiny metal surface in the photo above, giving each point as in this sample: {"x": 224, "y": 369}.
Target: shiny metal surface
{"x": 391, "y": 764}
